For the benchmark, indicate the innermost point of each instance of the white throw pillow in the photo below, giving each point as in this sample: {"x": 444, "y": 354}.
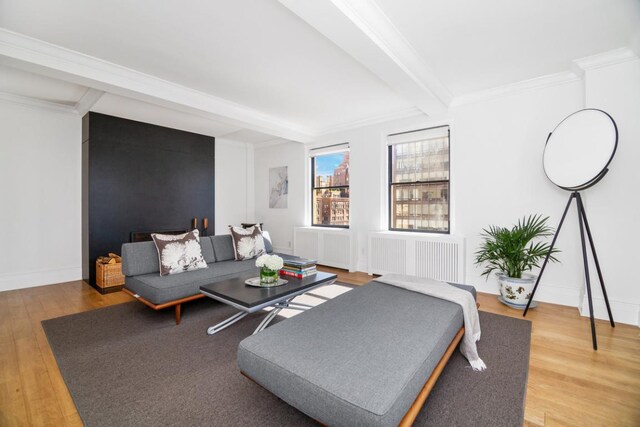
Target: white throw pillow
{"x": 247, "y": 242}
{"x": 178, "y": 253}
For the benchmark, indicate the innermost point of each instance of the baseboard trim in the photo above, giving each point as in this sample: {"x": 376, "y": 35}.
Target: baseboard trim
{"x": 30, "y": 279}
{"x": 558, "y": 295}
{"x": 623, "y": 311}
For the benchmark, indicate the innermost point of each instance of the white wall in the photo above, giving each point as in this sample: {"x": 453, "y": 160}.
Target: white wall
{"x": 497, "y": 151}
{"x": 234, "y": 184}
{"x": 613, "y": 207}
{"x": 40, "y": 196}
{"x": 497, "y": 178}
{"x": 280, "y": 222}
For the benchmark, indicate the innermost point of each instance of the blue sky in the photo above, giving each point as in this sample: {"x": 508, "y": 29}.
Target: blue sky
{"x": 326, "y": 163}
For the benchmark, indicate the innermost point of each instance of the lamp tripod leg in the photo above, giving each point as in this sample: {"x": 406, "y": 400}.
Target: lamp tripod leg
{"x": 546, "y": 258}
{"x": 586, "y": 274}
{"x": 595, "y": 258}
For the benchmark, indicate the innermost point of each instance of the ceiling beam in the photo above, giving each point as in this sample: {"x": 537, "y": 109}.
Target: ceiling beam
{"x": 34, "y": 55}
{"x": 364, "y": 32}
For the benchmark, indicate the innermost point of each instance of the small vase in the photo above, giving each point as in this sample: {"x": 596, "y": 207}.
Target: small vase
{"x": 268, "y": 276}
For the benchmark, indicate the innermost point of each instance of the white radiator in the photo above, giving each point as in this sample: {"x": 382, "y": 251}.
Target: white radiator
{"x": 387, "y": 255}
{"x": 331, "y": 247}
{"x": 439, "y": 257}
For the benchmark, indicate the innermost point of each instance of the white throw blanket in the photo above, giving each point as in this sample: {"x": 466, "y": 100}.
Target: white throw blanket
{"x": 447, "y": 292}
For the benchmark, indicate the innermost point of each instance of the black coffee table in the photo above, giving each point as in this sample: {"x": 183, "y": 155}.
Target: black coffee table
{"x": 249, "y": 299}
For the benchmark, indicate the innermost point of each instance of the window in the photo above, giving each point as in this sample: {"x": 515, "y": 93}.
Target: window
{"x": 419, "y": 180}
{"x": 330, "y": 186}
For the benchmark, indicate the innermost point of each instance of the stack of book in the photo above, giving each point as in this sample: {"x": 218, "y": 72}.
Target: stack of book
{"x": 298, "y": 268}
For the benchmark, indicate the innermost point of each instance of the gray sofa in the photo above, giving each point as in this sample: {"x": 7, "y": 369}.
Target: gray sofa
{"x": 142, "y": 272}
{"x": 360, "y": 359}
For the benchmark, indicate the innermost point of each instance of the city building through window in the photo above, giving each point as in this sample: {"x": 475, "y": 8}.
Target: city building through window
{"x": 419, "y": 180}
{"x": 330, "y": 187}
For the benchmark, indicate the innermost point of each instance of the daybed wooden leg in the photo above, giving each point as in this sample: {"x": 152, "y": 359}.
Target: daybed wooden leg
{"x": 178, "y": 306}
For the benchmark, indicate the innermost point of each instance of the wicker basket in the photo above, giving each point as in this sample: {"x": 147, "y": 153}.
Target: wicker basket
{"x": 108, "y": 275}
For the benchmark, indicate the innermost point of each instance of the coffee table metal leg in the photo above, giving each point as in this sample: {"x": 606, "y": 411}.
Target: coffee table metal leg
{"x": 299, "y": 306}
{"x": 277, "y": 308}
{"x": 228, "y": 322}
{"x": 265, "y": 322}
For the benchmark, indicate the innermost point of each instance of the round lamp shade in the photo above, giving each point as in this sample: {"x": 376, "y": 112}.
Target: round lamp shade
{"x": 580, "y": 148}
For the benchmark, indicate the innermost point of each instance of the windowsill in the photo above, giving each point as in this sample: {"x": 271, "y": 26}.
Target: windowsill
{"x": 324, "y": 228}
{"x": 415, "y": 233}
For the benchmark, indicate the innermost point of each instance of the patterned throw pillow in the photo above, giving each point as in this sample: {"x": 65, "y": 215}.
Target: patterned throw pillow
{"x": 178, "y": 253}
{"x": 247, "y": 242}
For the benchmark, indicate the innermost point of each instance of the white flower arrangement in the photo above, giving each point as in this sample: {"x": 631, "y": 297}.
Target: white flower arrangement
{"x": 272, "y": 262}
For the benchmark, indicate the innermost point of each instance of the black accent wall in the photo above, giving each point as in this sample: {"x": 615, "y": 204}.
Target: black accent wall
{"x": 138, "y": 177}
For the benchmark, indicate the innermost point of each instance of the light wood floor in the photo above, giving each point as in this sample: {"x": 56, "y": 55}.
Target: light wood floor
{"x": 569, "y": 384}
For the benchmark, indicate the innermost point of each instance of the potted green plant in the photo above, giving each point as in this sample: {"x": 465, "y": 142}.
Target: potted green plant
{"x": 512, "y": 253}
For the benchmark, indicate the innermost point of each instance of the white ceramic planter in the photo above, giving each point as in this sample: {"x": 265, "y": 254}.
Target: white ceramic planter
{"x": 516, "y": 291}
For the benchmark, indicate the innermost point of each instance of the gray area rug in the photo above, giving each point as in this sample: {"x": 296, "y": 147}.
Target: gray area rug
{"x": 128, "y": 365}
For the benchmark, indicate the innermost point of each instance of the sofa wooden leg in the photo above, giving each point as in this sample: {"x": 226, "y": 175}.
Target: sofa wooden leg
{"x": 178, "y": 308}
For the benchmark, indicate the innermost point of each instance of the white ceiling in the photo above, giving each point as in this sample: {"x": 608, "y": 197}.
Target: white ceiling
{"x": 476, "y": 45}
{"x": 252, "y": 52}
{"x": 292, "y": 68}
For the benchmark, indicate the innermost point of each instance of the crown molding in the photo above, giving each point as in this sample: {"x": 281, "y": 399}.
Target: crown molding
{"x": 605, "y": 59}
{"x": 37, "y": 103}
{"x": 88, "y": 100}
{"x": 269, "y": 143}
{"x": 231, "y": 142}
{"x": 90, "y": 97}
{"x": 77, "y": 67}
{"x": 516, "y": 88}
{"x": 371, "y": 120}
{"x": 578, "y": 69}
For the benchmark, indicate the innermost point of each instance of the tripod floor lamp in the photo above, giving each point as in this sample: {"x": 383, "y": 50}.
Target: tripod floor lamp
{"x": 576, "y": 157}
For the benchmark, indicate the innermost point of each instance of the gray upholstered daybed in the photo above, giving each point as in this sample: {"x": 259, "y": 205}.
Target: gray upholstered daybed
{"x": 366, "y": 358}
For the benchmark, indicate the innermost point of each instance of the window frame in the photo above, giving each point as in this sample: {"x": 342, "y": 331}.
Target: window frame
{"x": 390, "y": 184}
{"x": 313, "y": 188}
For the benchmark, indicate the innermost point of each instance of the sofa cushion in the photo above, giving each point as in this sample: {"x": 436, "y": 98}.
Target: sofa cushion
{"x": 160, "y": 289}
{"x": 223, "y": 247}
{"x": 358, "y": 359}
{"x": 139, "y": 258}
{"x": 207, "y": 249}
{"x": 268, "y": 246}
